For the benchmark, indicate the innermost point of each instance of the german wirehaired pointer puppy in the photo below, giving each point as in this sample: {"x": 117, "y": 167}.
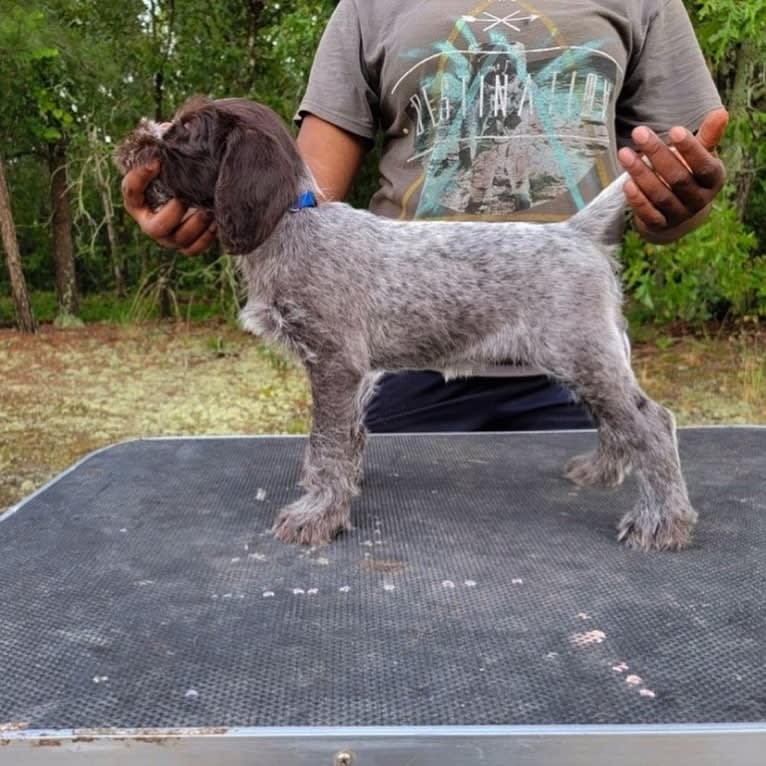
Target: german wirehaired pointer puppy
{"x": 352, "y": 294}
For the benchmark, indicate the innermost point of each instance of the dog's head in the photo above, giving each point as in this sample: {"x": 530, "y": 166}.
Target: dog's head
{"x": 231, "y": 156}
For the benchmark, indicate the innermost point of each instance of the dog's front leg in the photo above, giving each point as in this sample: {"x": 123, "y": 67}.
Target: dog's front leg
{"x": 333, "y": 457}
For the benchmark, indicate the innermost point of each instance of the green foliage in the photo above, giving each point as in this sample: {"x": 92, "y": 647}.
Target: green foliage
{"x": 49, "y": 72}
{"x": 732, "y": 35}
{"x": 192, "y": 306}
{"x": 722, "y": 24}
{"x": 196, "y": 289}
{"x": 719, "y": 270}
{"x": 284, "y": 64}
{"x": 43, "y": 307}
{"x": 710, "y": 274}
{"x": 79, "y": 73}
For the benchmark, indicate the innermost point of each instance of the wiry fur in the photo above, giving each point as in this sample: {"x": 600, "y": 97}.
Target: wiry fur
{"x": 352, "y": 294}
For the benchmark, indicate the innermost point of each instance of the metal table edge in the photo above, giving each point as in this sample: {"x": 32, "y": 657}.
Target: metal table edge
{"x": 666, "y": 745}
{"x": 393, "y": 732}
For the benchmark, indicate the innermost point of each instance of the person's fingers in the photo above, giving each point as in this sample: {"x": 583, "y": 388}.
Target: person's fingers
{"x": 643, "y": 209}
{"x": 191, "y": 229}
{"x": 707, "y": 169}
{"x": 713, "y": 128}
{"x": 673, "y": 173}
{"x": 657, "y": 193}
{"x": 161, "y": 225}
{"x": 173, "y": 225}
{"x": 203, "y": 242}
{"x": 134, "y": 186}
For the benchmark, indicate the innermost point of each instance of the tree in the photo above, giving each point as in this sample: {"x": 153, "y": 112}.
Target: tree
{"x": 36, "y": 124}
{"x": 24, "y": 316}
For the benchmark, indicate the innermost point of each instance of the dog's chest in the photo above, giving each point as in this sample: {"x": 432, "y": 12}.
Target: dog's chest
{"x": 279, "y": 324}
{"x": 263, "y": 319}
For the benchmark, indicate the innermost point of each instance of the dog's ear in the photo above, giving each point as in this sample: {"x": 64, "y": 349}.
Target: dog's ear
{"x": 257, "y": 183}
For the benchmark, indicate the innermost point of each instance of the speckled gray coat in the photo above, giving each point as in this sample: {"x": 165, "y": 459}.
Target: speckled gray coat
{"x": 352, "y": 295}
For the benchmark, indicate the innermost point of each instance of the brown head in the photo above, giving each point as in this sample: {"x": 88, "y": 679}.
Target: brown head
{"x": 232, "y": 156}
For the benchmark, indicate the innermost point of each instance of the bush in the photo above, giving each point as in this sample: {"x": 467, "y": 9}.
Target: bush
{"x": 712, "y": 273}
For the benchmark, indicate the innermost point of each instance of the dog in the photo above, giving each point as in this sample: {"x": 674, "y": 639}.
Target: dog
{"x": 352, "y": 295}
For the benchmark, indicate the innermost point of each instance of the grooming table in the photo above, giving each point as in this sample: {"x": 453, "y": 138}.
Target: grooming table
{"x": 481, "y": 611}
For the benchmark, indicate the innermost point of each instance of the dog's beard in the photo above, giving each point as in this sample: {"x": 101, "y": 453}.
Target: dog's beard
{"x": 156, "y": 195}
{"x": 133, "y": 154}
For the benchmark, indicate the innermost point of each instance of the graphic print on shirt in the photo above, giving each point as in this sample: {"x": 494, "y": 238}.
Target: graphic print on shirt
{"x": 507, "y": 115}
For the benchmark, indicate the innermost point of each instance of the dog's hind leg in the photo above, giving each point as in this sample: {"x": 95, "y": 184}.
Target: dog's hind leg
{"x": 364, "y": 394}
{"x": 333, "y": 458}
{"x": 609, "y": 463}
{"x": 663, "y": 518}
{"x": 634, "y": 429}
{"x": 606, "y": 466}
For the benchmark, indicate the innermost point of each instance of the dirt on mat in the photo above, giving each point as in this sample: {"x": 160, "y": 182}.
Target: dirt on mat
{"x": 65, "y": 393}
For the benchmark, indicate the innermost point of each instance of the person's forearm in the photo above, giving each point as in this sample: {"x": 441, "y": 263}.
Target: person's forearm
{"x": 332, "y": 155}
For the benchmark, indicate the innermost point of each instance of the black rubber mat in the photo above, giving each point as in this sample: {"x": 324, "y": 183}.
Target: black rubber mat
{"x": 143, "y": 589}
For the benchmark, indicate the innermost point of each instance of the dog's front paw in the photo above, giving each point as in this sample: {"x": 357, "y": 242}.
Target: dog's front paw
{"x": 312, "y": 520}
{"x": 643, "y": 531}
{"x": 594, "y": 469}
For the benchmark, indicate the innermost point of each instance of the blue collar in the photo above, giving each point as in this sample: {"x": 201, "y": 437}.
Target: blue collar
{"x": 307, "y": 199}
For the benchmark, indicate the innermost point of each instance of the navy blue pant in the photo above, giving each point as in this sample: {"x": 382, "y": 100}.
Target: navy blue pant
{"x": 423, "y": 401}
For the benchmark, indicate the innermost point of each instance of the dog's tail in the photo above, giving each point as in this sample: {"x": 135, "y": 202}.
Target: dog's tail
{"x": 603, "y": 220}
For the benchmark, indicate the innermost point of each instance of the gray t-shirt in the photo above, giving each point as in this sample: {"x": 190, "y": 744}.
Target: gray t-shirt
{"x": 504, "y": 110}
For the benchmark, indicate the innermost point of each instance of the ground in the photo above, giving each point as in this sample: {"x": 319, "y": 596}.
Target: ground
{"x": 66, "y": 393}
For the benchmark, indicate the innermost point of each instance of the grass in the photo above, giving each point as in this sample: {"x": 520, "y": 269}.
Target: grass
{"x": 708, "y": 378}
{"x": 67, "y": 392}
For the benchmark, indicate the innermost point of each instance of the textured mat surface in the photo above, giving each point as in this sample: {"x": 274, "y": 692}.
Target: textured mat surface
{"x": 142, "y": 589}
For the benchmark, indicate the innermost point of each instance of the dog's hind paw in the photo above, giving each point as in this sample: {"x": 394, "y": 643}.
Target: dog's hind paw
{"x": 642, "y": 532}
{"x": 311, "y": 521}
{"x": 594, "y": 469}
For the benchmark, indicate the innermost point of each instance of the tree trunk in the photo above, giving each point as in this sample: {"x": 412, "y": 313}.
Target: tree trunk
{"x": 739, "y": 163}
{"x": 250, "y": 67}
{"x": 159, "y": 96}
{"x": 63, "y": 247}
{"x": 24, "y": 316}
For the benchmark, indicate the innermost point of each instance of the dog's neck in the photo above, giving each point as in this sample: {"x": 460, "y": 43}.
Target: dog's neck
{"x": 309, "y": 184}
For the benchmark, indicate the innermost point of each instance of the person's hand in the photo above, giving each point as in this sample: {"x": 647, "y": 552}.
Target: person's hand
{"x": 673, "y": 194}
{"x": 173, "y": 225}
